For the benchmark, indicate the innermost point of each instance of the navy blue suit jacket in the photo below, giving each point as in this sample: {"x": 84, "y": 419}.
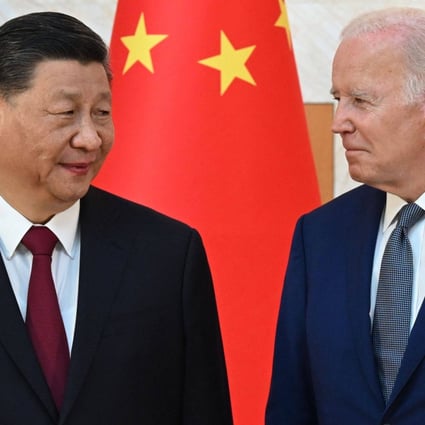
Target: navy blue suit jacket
{"x": 147, "y": 348}
{"x": 324, "y": 370}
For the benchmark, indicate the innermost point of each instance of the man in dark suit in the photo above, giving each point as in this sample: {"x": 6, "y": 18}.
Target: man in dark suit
{"x": 137, "y": 326}
{"x": 336, "y": 361}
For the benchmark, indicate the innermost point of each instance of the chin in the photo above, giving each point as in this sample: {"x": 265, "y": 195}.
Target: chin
{"x": 356, "y": 176}
{"x": 71, "y": 195}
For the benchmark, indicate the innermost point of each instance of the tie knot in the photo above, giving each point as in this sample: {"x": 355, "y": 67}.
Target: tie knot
{"x": 40, "y": 240}
{"x": 409, "y": 215}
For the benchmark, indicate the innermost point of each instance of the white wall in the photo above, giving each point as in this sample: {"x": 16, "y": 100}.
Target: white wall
{"x": 315, "y": 26}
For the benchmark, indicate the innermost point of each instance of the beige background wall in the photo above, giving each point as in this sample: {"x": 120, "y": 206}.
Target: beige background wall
{"x": 315, "y": 25}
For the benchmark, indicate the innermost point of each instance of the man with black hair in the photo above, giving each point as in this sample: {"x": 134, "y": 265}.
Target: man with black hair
{"x": 122, "y": 329}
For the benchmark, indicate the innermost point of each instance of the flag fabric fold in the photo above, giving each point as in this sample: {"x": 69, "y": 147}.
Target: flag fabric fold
{"x": 210, "y": 129}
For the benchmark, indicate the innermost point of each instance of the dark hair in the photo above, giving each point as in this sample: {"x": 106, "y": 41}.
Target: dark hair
{"x": 27, "y": 40}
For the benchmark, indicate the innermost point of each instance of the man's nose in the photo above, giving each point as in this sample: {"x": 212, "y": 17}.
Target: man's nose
{"x": 342, "y": 122}
{"x": 87, "y": 136}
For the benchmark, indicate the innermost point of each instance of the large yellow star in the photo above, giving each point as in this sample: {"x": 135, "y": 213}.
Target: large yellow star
{"x": 283, "y": 22}
{"x": 139, "y": 46}
{"x": 231, "y": 63}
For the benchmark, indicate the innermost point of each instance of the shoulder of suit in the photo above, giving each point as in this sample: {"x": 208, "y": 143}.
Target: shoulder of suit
{"x": 355, "y": 201}
{"x": 131, "y": 211}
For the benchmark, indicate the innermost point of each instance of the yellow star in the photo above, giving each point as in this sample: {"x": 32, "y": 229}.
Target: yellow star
{"x": 139, "y": 46}
{"x": 283, "y": 22}
{"x": 231, "y": 63}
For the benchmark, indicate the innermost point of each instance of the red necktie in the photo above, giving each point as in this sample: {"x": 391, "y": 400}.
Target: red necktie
{"x": 44, "y": 320}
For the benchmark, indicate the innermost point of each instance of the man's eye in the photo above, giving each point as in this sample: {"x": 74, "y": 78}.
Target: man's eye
{"x": 69, "y": 112}
{"x": 358, "y": 101}
{"x": 102, "y": 113}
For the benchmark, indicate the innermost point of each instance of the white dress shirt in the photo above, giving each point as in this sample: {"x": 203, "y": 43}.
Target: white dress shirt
{"x": 416, "y": 237}
{"x": 65, "y": 259}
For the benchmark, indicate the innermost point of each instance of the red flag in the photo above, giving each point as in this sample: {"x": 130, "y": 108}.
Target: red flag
{"x": 210, "y": 129}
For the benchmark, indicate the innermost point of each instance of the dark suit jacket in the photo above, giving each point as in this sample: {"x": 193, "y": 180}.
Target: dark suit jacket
{"x": 324, "y": 370}
{"x": 147, "y": 348}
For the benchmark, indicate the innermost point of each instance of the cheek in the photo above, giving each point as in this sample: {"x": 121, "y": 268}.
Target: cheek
{"x": 48, "y": 151}
{"x": 107, "y": 141}
{"x": 384, "y": 136}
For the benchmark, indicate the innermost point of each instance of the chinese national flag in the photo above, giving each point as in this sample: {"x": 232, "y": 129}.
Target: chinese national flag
{"x": 210, "y": 129}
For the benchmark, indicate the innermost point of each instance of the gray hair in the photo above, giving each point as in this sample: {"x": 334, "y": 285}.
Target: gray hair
{"x": 408, "y": 25}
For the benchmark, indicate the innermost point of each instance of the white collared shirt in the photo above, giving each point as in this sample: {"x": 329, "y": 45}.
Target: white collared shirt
{"x": 65, "y": 259}
{"x": 416, "y": 237}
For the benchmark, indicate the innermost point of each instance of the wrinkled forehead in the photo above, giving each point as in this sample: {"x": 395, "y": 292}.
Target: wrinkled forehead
{"x": 368, "y": 63}
{"x": 374, "y": 51}
{"x": 57, "y": 67}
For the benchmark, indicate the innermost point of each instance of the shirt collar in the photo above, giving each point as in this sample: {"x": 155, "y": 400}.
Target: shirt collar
{"x": 14, "y": 225}
{"x": 394, "y": 204}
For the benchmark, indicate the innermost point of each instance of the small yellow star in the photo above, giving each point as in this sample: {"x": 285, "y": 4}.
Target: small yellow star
{"x": 231, "y": 63}
{"x": 283, "y": 21}
{"x": 139, "y": 46}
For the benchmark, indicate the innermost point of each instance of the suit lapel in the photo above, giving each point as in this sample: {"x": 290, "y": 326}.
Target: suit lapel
{"x": 415, "y": 353}
{"x": 361, "y": 239}
{"x": 98, "y": 284}
{"x": 15, "y": 340}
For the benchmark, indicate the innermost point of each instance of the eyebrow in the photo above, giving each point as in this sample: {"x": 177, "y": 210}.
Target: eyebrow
{"x": 354, "y": 93}
{"x": 358, "y": 93}
{"x": 75, "y": 95}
